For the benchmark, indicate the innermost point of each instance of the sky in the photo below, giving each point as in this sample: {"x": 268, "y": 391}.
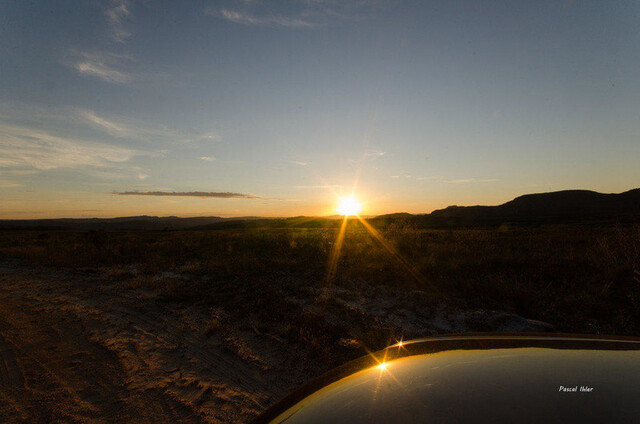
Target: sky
{"x": 277, "y": 108}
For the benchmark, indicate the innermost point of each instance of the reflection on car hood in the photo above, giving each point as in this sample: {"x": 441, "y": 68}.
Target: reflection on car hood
{"x": 477, "y": 379}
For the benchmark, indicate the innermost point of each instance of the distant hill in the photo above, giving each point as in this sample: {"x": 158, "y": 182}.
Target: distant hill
{"x": 569, "y": 206}
{"x": 556, "y": 207}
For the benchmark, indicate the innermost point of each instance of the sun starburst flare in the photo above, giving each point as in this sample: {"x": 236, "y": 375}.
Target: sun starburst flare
{"x": 349, "y": 206}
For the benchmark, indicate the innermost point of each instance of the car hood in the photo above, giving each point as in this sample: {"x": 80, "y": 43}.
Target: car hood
{"x": 477, "y": 378}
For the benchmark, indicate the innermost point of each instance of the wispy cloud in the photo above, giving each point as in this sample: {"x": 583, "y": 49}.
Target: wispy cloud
{"x": 471, "y": 180}
{"x": 6, "y": 183}
{"x": 214, "y": 194}
{"x": 72, "y": 123}
{"x": 7, "y": 177}
{"x": 297, "y": 162}
{"x": 19, "y": 172}
{"x": 208, "y": 158}
{"x": 320, "y": 186}
{"x": 34, "y": 148}
{"x": 102, "y": 71}
{"x": 113, "y": 128}
{"x": 458, "y": 181}
{"x": 136, "y": 130}
{"x": 297, "y": 14}
{"x": 209, "y": 136}
{"x": 117, "y": 13}
{"x": 104, "y": 66}
{"x": 375, "y": 153}
{"x": 246, "y": 18}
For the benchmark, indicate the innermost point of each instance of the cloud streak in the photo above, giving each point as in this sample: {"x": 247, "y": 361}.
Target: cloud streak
{"x": 451, "y": 181}
{"x": 4, "y": 183}
{"x": 203, "y": 194}
{"x": 471, "y": 180}
{"x": 113, "y": 128}
{"x": 375, "y": 153}
{"x": 35, "y": 139}
{"x": 103, "y": 66}
{"x": 297, "y": 162}
{"x": 245, "y": 18}
{"x": 118, "y": 12}
{"x": 300, "y": 14}
{"x": 319, "y": 186}
{"x": 34, "y": 148}
{"x": 136, "y": 130}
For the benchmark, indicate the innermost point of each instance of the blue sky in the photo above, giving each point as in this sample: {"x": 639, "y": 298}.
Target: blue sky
{"x": 274, "y": 108}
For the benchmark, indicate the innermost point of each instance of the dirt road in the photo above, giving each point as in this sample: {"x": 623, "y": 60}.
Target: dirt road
{"x": 75, "y": 349}
{"x": 79, "y": 346}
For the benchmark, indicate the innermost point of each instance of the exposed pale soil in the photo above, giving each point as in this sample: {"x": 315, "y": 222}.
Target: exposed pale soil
{"x": 76, "y": 346}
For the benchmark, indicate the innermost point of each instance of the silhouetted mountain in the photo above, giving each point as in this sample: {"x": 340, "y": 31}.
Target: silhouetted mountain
{"x": 559, "y": 206}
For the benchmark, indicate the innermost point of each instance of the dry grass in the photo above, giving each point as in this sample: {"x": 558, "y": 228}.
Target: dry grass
{"x": 581, "y": 279}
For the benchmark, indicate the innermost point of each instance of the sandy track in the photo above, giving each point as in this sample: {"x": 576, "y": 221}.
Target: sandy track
{"x": 51, "y": 372}
{"x": 74, "y": 349}
{"x": 77, "y": 346}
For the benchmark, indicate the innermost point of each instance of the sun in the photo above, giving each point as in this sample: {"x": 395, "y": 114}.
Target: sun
{"x": 348, "y": 206}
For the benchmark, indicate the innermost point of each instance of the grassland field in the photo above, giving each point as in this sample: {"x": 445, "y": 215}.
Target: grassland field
{"x": 579, "y": 278}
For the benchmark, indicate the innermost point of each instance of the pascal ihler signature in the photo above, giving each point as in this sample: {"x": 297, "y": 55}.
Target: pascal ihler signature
{"x": 575, "y": 389}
